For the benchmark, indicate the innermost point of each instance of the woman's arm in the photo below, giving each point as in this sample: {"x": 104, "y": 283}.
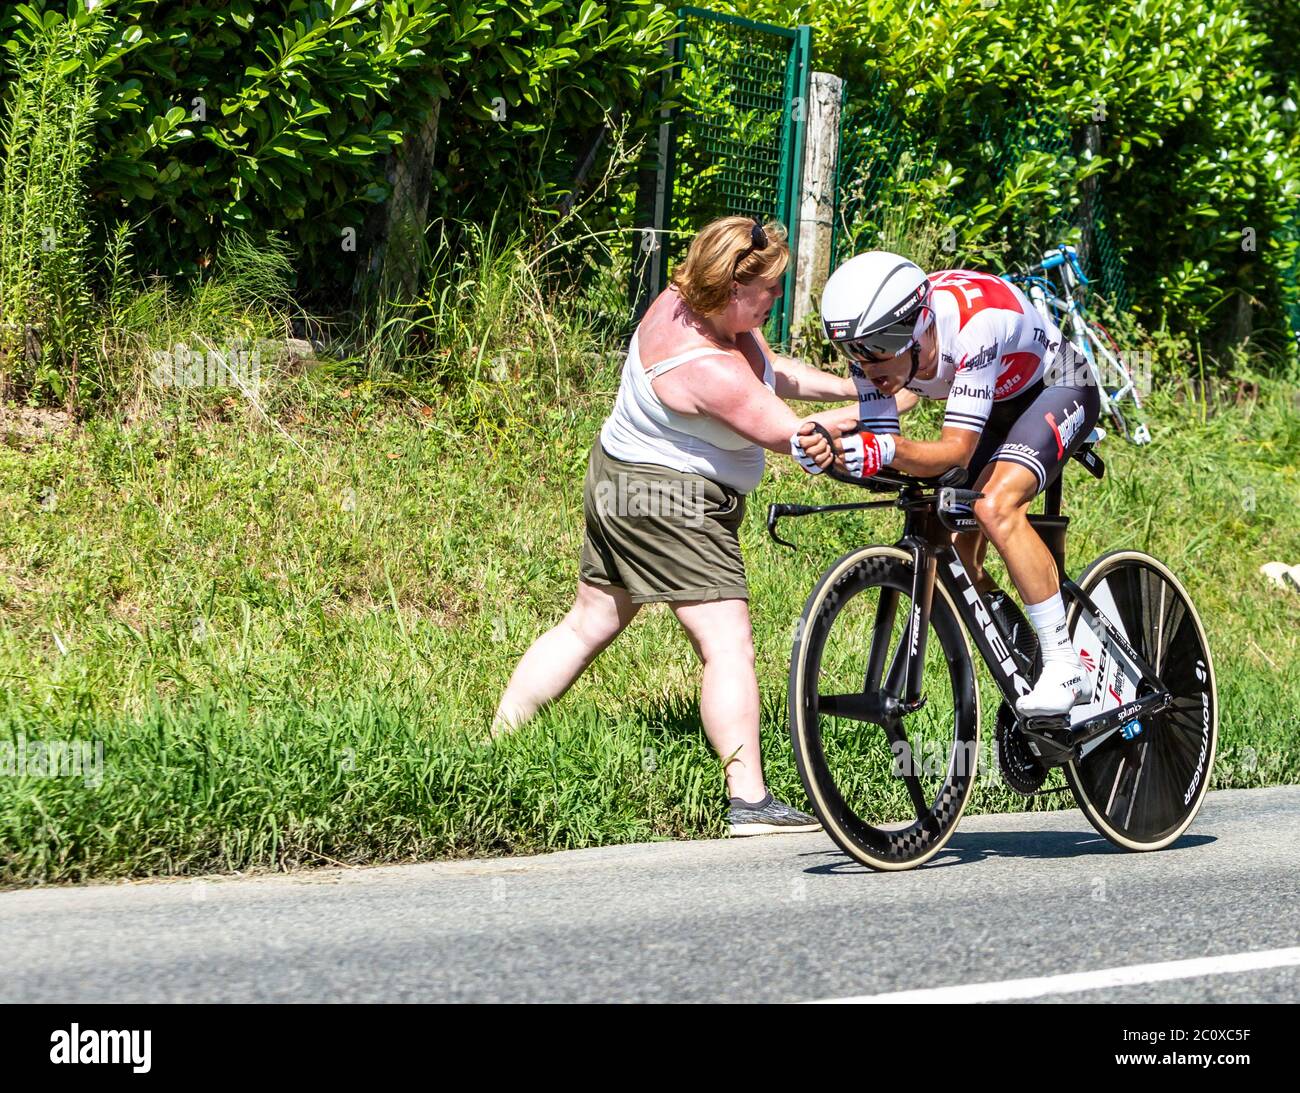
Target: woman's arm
{"x": 726, "y": 389}
{"x": 797, "y": 380}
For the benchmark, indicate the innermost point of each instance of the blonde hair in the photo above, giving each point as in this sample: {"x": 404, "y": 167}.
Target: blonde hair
{"x": 704, "y": 278}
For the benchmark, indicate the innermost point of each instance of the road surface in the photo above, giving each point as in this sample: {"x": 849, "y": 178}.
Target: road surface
{"x": 1030, "y": 896}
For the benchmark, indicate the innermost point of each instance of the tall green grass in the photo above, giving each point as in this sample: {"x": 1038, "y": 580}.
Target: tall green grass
{"x": 46, "y": 126}
{"x": 77, "y": 327}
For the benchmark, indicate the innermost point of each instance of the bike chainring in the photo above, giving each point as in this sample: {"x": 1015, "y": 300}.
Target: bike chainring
{"x": 1020, "y": 768}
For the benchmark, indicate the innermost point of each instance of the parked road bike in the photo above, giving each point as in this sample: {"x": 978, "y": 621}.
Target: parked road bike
{"x": 1088, "y": 336}
{"x": 883, "y": 703}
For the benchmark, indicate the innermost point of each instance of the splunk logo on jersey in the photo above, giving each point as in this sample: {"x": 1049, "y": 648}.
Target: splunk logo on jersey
{"x": 868, "y": 391}
{"x": 971, "y": 390}
{"x": 115, "y": 1047}
{"x": 1005, "y": 660}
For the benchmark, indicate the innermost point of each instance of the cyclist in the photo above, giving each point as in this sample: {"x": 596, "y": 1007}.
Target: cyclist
{"x": 1020, "y": 401}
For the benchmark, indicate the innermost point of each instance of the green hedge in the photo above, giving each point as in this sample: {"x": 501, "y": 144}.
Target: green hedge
{"x": 1200, "y": 134}
{"x": 278, "y": 116}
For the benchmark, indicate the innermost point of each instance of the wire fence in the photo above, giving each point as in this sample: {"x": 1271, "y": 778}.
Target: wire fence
{"x": 734, "y": 144}
{"x": 975, "y": 189}
{"x": 1291, "y": 276}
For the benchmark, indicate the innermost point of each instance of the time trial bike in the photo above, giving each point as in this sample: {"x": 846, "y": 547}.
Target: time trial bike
{"x": 884, "y": 706}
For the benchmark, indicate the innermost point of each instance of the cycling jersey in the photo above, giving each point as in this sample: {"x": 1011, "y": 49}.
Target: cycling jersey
{"x": 993, "y": 346}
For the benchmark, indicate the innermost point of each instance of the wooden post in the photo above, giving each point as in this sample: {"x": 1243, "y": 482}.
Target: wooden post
{"x": 816, "y": 207}
{"x": 1087, "y": 238}
{"x": 396, "y": 228}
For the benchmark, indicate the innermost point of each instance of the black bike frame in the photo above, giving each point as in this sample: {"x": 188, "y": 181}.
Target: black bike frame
{"x": 925, "y": 537}
{"x": 931, "y": 515}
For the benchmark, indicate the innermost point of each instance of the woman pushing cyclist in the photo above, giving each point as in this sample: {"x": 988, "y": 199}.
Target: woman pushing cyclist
{"x": 699, "y": 403}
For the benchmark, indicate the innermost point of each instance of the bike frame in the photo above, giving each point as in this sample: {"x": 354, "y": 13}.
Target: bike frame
{"x": 930, "y": 518}
{"x": 934, "y": 557}
{"x": 1042, "y": 293}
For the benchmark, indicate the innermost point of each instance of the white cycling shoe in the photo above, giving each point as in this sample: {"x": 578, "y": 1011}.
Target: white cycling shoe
{"x": 1058, "y": 688}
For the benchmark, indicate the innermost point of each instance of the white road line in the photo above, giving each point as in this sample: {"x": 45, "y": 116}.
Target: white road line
{"x": 1085, "y": 981}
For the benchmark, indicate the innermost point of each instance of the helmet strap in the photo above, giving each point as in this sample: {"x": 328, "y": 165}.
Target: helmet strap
{"x": 916, "y": 363}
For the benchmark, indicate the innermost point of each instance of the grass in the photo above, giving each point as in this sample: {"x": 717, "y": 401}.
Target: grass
{"x": 289, "y": 640}
{"x": 46, "y": 127}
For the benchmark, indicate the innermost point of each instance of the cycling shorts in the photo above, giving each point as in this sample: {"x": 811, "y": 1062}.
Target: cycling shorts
{"x": 1042, "y": 428}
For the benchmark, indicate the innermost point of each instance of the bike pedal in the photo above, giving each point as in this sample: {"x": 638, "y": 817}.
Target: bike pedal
{"x": 1048, "y": 725}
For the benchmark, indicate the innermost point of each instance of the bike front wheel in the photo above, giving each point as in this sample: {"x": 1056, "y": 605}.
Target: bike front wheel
{"x": 890, "y": 797}
{"x": 1142, "y": 785}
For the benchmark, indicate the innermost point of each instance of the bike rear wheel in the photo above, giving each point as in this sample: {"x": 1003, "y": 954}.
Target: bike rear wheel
{"x": 1142, "y": 786}
{"x": 890, "y": 800}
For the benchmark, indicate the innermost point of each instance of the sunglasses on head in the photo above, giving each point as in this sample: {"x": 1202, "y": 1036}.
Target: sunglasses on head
{"x": 757, "y": 241}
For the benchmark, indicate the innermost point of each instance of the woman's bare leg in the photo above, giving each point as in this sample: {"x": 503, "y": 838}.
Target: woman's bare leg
{"x": 723, "y": 638}
{"x": 599, "y": 614}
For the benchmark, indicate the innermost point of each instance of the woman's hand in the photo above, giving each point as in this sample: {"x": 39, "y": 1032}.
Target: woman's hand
{"x": 810, "y": 449}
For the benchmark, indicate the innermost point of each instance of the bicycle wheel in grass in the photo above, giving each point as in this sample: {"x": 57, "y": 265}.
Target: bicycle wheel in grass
{"x": 890, "y": 800}
{"x": 1142, "y": 786}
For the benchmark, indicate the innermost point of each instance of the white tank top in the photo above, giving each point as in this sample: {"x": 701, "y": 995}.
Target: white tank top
{"x": 641, "y": 429}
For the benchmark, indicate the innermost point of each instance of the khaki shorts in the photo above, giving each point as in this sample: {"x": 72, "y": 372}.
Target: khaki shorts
{"x": 663, "y": 535}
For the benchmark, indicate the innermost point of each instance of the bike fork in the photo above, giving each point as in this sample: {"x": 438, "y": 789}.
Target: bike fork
{"x": 918, "y": 626}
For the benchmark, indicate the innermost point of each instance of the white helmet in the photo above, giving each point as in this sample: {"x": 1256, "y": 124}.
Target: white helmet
{"x": 876, "y": 305}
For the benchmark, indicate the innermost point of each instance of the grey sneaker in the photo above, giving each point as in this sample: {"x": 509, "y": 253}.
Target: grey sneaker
{"x": 768, "y": 817}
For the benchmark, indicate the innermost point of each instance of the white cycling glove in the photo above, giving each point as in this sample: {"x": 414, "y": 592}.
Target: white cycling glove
{"x": 805, "y": 460}
{"x": 865, "y": 453}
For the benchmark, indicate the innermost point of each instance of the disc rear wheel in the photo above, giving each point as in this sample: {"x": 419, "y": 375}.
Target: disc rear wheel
{"x": 1142, "y": 786}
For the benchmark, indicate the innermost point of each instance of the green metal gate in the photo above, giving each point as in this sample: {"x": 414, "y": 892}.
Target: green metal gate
{"x": 1290, "y": 266}
{"x": 733, "y": 144}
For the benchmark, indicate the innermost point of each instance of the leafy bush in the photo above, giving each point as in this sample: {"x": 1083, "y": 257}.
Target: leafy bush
{"x": 1196, "y": 104}
{"x": 279, "y": 116}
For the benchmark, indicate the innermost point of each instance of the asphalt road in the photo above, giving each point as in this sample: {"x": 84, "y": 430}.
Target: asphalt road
{"x": 772, "y": 919}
